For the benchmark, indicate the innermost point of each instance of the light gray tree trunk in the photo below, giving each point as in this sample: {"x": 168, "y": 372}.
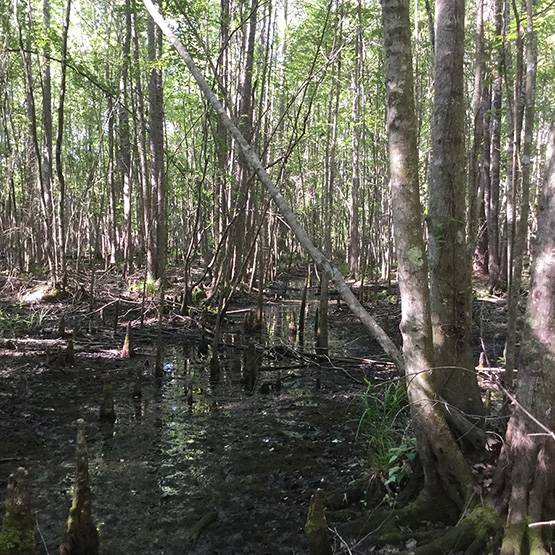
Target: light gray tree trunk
{"x": 447, "y": 476}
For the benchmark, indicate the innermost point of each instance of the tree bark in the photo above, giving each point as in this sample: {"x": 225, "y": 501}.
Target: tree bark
{"x": 492, "y": 211}
{"x": 450, "y": 255}
{"x": 59, "y": 162}
{"x": 521, "y": 229}
{"x": 447, "y": 476}
{"x": 125, "y": 146}
{"x": 156, "y": 261}
{"x": 354, "y": 246}
{"x": 525, "y": 479}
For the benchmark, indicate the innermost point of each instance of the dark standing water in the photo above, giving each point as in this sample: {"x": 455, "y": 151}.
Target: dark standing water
{"x": 246, "y": 461}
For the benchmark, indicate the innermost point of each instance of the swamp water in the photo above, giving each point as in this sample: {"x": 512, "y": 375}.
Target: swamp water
{"x": 244, "y": 462}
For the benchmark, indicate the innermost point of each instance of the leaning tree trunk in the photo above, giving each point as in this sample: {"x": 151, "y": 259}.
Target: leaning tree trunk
{"x": 525, "y": 480}
{"x": 325, "y": 265}
{"x": 448, "y": 480}
{"x": 450, "y": 255}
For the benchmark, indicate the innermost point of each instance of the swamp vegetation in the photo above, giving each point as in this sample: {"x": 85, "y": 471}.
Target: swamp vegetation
{"x": 263, "y": 276}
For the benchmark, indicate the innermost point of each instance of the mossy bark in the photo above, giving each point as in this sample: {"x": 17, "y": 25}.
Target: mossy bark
{"x": 81, "y": 537}
{"x": 316, "y": 527}
{"x": 475, "y": 528}
{"x": 17, "y": 536}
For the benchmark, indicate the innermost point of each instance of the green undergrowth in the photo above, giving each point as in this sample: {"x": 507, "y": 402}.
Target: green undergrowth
{"x": 15, "y": 321}
{"x": 384, "y": 427}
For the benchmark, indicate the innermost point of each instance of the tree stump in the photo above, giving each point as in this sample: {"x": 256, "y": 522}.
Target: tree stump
{"x": 81, "y": 537}
{"x": 128, "y": 349}
{"x": 106, "y": 412}
{"x": 316, "y": 527}
{"x": 18, "y": 535}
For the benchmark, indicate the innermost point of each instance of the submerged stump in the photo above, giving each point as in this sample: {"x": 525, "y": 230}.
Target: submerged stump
{"x": 18, "y": 536}
{"x": 106, "y": 412}
{"x": 251, "y": 366}
{"x": 81, "y": 537}
{"x": 128, "y": 349}
{"x": 316, "y": 527}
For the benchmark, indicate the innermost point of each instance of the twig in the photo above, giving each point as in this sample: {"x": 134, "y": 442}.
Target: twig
{"x": 546, "y": 523}
{"x": 41, "y": 536}
{"x": 197, "y": 529}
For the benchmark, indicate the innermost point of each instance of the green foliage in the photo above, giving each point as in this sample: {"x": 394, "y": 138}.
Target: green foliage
{"x": 381, "y": 426}
{"x": 15, "y": 321}
{"x": 151, "y": 287}
{"x": 198, "y": 296}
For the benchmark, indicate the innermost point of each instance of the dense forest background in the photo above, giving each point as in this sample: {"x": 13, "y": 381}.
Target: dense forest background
{"x": 408, "y": 140}
{"x": 109, "y": 149}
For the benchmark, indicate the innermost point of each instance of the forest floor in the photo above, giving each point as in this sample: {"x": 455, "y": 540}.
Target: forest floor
{"x": 243, "y": 463}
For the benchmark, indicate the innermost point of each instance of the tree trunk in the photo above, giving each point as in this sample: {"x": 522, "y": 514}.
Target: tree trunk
{"x": 450, "y": 255}
{"x": 125, "y": 146}
{"x": 521, "y": 230}
{"x": 158, "y": 239}
{"x": 447, "y": 476}
{"x": 59, "y": 145}
{"x": 354, "y": 246}
{"x": 47, "y": 164}
{"x": 492, "y": 211}
{"x": 525, "y": 480}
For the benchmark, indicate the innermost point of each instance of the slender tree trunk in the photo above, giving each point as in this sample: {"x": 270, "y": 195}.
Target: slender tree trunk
{"x": 157, "y": 182}
{"x": 125, "y": 146}
{"x": 450, "y": 255}
{"x": 521, "y": 230}
{"x": 478, "y": 135}
{"x": 140, "y": 125}
{"x": 245, "y": 119}
{"x": 59, "y": 145}
{"x": 112, "y": 192}
{"x": 494, "y": 261}
{"x": 354, "y": 246}
{"x": 47, "y": 163}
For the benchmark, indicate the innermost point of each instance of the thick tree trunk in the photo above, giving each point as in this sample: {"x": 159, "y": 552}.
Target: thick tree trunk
{"x": 525, "y": 480}
{"x": 447, "y": 476}
{"x": 450, "y": 256}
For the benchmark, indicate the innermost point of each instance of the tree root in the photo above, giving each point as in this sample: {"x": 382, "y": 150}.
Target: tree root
{"x": 386, "y": 527}
{"x": 471, "y": 531}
